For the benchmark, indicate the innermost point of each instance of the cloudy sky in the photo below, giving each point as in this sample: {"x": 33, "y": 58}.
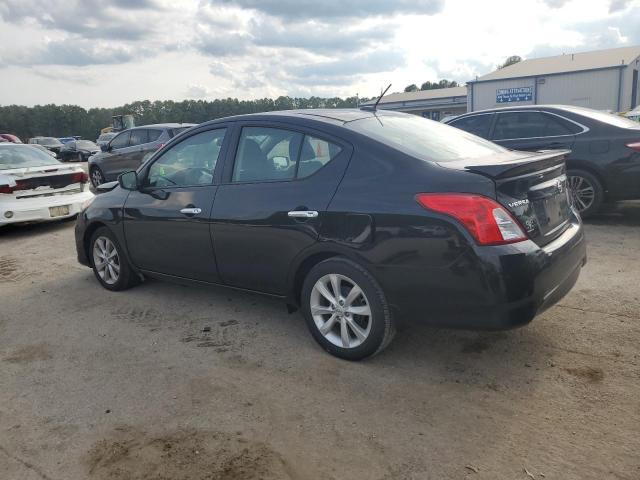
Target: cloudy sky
{"x": 109, "y": 52}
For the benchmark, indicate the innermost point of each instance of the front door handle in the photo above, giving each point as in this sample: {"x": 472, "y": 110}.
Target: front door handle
{"x": 191, "y": 211}
{"x": 303, "y": 214}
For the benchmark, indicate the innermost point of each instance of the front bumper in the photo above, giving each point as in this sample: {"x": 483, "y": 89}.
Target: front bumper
{"x": 490, "y": 288}
{"x": 36, "y": 209}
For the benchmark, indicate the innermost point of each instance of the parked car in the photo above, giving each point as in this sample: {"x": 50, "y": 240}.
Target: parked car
{"x": 66, "y": 140}
{"x": 605, "y": 149}
{"x": 36, "y": 187}
{"x": 10, "y": 138}
{"x": 127, "y": 150}
{"x": 78, "y": 150}
{"x": 356, "y": 217}
{"x": 50, "y": 143}
{"x": 104, "y": 138}
{"x": 43, "y": 149}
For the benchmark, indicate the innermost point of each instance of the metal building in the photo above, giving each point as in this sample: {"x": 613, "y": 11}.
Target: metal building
{"x": 603, "y": 80}
{"x": 434, "y": 104}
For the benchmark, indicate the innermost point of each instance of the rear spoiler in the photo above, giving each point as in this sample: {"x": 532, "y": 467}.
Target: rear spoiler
{"x": 500, "y": 167}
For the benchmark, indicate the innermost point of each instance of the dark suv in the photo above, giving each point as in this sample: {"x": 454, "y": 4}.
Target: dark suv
{"x": 604, "y": 163}
{"x": 128, "y": 149}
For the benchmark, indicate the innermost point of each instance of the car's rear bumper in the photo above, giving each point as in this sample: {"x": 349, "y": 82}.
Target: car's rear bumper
{"x": 37, "y": 209}
{"x": 490, "y": 288}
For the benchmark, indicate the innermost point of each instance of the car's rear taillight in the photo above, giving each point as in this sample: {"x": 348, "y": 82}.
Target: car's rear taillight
{"x": 634, "y": 146}
{"x": 79, "y": 177}
{"x": 6, "y": 189}
{"x": 485, "y": 219}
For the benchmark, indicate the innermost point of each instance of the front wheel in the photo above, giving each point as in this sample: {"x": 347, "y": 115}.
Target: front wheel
{"x": 586, "y": 190}
{"x": 97, "y": 178}
{"x": 109, "y": 263}
{"x": 346, "y": 309}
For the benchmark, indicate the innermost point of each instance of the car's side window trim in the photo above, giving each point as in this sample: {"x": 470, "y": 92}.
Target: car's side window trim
{"x": 233, "y": 151}
{"x": 584, "y": 127}
{"x": 220, "y": 161}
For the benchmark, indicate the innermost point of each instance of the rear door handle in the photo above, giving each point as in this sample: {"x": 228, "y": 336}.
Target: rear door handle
{"x": 302, "y": 214}
{"x": 191, "y": 211}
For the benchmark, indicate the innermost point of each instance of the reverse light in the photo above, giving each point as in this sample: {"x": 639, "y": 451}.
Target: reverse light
{"x": 634, "y": 146}
{"x": 485, "y": 219}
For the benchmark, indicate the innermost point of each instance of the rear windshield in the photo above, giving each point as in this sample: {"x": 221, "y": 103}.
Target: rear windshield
{"x": 424, "y": 139}
{"x": 23, "y": 156}
{"x": 614, "y": 120}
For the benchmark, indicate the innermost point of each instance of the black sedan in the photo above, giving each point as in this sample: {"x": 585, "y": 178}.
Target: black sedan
{"x": 355, "y": 217}
{"x": 604, "y": 163}
{"x": 78, "y": 150}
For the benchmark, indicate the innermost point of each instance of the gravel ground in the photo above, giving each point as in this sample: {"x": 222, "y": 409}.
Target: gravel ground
{"x": 171, "y": 382}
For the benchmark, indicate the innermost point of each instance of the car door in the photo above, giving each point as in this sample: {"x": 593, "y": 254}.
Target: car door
{"x": 133, "y": 159}
{"x": 277, "y": 184}
{"x": 532, "y": 130}
{"x": 112, "y": 165}
{"x": 166, "y": 221}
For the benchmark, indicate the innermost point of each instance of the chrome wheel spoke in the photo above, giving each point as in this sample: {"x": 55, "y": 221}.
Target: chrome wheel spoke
{"x": 328, "y": 325}
{"x": 355, "y": 328}
{"x": 320, "y": 310}
{"x": 324, "y": 291}
{"x": 335, "y": 286}
{"x": 354, "y": 293}
{"x": 344, "y": 334}
{"x": 106, "y": 260}
{"x": 360, "y": 310}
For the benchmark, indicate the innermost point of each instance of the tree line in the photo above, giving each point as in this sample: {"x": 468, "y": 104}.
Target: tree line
{"x": 432, "y": 85}
{"x": 66, "y": 120}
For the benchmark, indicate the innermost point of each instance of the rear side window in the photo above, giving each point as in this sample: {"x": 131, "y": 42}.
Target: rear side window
{"x": 528, "y": 125}
{"x": 314, "y": 155}
{"x": 138, "y": 137}
{"x": 154, "y": 135}
{"x": 121, "y": 141}
{"x": 424, "y": 139}
{"x": 266, "y": 154}
{"x": 476, "y": 124}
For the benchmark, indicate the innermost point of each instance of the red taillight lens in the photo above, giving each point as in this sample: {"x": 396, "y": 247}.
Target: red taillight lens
{"x": 634, "y": 146}
{"x": 79, "y": 177}
{"x": 486, "y": 220}
{"x": 6, "y": 189}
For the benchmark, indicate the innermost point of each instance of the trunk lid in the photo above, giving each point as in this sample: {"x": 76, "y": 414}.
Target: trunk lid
{"x": 531, "y": 186}
{"x": 42, "y": 181}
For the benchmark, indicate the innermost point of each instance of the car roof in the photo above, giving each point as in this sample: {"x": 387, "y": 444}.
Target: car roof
{"x": 522, "y": 107}
{"x": 163, "y": 125}
{"x": 335, "y": 116}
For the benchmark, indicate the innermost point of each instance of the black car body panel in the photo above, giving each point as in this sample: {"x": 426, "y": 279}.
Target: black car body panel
{"x": 427, "y": 263}
{"x": 596, "y": 146}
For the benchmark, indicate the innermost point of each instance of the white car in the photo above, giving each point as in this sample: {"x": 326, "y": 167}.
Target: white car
{"x": 36, "y": 187}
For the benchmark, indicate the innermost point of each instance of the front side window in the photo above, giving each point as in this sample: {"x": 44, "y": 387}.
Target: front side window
{"x": 190, "y": 162}
{"x": 266, "y": 154}
{"x": 138, "y": 137}
{"x": 476, "y": 124}
{"x": 120, "y": 141}
{"x": 154, "y": 135}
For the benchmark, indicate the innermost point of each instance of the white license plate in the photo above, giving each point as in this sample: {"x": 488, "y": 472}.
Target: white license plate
{"x": 59, "y": 211}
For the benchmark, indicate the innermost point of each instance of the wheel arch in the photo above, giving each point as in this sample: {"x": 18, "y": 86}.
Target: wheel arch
{"x": 88, "y": 233}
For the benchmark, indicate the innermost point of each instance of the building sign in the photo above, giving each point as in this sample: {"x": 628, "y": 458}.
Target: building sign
{"x": 508, "y": 95}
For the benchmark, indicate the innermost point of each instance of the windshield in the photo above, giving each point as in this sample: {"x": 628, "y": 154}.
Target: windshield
{"x": 87, "y": 145}
{"x": 23, "y": 156}
{"x": 424, "y": 139}
{"x": 49, "y": 141}
{"x": 604, "y": 117}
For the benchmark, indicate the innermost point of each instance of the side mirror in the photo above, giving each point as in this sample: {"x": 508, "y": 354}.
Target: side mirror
{"x": 104, "y": 147}
{"x": 128, "y": 180}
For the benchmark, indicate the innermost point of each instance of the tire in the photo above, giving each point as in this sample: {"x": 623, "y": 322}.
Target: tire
{"x": 590, "y": 201}
{"x": 371, "y": 334}
{"x": 96, "y": 176}
{"x": 118, "y": 263}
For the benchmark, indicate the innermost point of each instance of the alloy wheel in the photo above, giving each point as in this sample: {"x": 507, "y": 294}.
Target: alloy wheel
{"x": 341, "y": 311}
{"x": 96, "y": 177}
{"x": 106, "y": 260}
{"x": 582, "y": 192}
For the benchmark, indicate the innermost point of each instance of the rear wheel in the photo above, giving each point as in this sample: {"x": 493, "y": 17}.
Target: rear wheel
{"x": 586, "y": 192}
{"x": 346, "y": 310}
{"x": 109, "y": 263}
{"x": 97, "y": 177}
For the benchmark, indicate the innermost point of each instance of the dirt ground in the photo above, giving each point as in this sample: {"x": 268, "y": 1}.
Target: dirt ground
{"x": 172, "y": 382}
